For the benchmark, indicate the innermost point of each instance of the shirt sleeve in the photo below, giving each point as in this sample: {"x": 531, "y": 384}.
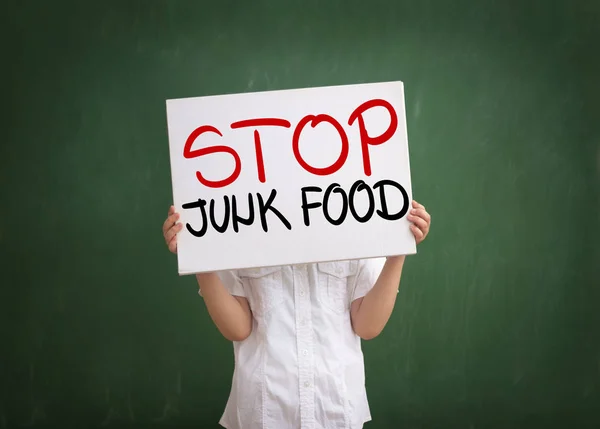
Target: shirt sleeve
{"x": 367, "y": 275}
{"x": 232, "y": 283}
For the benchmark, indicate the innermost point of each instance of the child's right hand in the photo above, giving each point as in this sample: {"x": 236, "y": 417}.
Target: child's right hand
{"x": 171, "y": 228}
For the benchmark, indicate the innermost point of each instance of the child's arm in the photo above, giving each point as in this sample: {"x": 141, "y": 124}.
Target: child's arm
{"x": 371, "y": 312}
{"x": 230, "y": 313}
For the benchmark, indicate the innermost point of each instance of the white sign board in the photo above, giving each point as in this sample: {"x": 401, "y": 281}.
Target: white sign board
{"x": 289, "y": 177}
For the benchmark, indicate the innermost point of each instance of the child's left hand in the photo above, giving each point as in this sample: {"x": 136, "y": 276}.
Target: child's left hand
{"x": 421, "y": 221}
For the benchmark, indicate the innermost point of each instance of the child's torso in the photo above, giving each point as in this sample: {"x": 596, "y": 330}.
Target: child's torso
{"x": 302, "y": 361}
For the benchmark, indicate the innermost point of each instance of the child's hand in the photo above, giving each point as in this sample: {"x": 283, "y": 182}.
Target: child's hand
{"x": 421, "y": 221}
{"x": 171, "y": 228}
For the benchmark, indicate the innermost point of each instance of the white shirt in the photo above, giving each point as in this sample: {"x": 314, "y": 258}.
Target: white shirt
{"x": 302, "y": 366}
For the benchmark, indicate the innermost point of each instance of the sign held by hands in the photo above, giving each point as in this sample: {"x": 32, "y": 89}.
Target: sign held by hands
{"x": 290, "y": 177}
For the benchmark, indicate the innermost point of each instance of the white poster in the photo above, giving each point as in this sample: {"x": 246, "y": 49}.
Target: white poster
{"x": 291, "y": 176}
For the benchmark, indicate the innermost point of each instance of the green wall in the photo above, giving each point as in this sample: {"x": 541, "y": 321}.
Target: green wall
{"x": 498, "y": 319}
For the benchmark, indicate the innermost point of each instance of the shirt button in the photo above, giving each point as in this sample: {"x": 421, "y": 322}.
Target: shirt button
{"x": 306, "y": 384}
{"x": 301, "y": 292}
{"x": 305, "y": 352}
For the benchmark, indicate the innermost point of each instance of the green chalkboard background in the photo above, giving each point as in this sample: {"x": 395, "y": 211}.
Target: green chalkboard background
{"x": 498, "y": 319}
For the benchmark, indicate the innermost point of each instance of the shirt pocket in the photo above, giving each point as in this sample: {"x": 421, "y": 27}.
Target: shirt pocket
{"x": 266, "y": 287}
{"x": 333, "y": 287}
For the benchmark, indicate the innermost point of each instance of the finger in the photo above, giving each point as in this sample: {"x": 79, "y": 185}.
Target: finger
{"x": 173, "y": 232}
{"x": 172, "y": 240}
{"x": 421, "y": 213}
{"x": 169, "y": 222}
{"x": 419, "y": 222}
{"x": 417, "y": 205}
{"x": 173, "y": 244}
{"x": 417, "y": 232}
{"x": 171, "y": 210}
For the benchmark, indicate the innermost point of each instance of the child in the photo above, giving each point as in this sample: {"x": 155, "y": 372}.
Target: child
{"x": 296, "y": 333}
